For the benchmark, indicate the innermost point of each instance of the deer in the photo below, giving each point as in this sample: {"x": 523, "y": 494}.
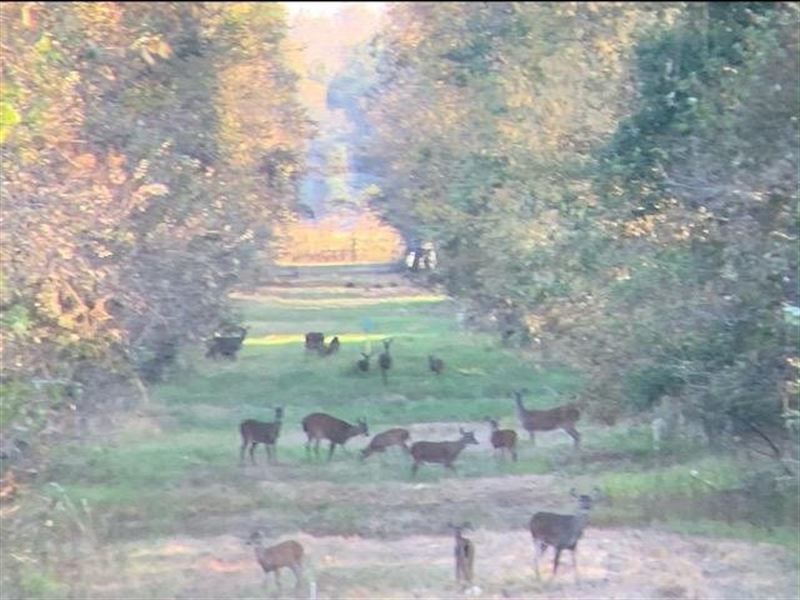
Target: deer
{"x": 288, "y": 554}
{"x": 261, "y": 432}
{"x": 331, "y": 348}
{"x": 444, "y": 453}
{"x": 315, "y": 340}
{"x": 435, "y": 364}
{"x": 561, "y": 417}
{"x": 503, "y": 439}
{"x": 226, "y": 345}
{"x": 392, "y": 437}
{"x": 385, "y": 360}
{"x": 464, "y": 551}
{"x": 562, "y": 532}
{"x": 363, "y": 363}
{"x": 321, "y": 426}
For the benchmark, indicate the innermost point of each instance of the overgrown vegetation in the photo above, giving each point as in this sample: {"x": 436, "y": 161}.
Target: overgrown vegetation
{"x": 616, "y": 181}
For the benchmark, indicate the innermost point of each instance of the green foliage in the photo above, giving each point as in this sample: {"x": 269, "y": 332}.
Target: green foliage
{"x": 618, "y": 185}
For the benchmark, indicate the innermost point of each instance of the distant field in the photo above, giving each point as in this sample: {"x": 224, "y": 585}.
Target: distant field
{"x": 168, "y": 498}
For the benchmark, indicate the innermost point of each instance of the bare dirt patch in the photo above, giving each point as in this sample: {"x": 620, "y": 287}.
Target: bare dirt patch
{"x": 613, "y": 563}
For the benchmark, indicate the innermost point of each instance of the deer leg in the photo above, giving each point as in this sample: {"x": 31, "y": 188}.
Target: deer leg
{"x": 414, "y": 469}
{"x": 330, "y": 451}
{"x": 298, "y": 574}
{"x": 278, "y": 579}
{"x": 575, "y": 566}
{"x": 316, "y": 448}
{"x": 252, "y": 453}
{"x": 514, "y": 453}
{"x": 268, "y": 450}
{"x": 573, "y": 433}
{"x": 532, "y": 437}
{"x": 537, "y": 550}
{"x": 555, "y": 560}
{"x": 241, "y": 453}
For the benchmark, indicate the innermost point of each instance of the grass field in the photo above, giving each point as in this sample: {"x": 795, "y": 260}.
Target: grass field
{"x": 164, "y": 495}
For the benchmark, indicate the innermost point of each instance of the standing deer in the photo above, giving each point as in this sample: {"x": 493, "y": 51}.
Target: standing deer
{"x": 444, "y": 453}
{"x": 331, "y": 348}
{"x": 391, "y": 437}
{"x": 315, "y": 340}
{"x": 435, "y": 364}
{"x": 503, "y": 439}
{"x": 363, "y": 363}
{"x": 464, "y": 554}
{"x": 288, "y": 554}
{"x": 561, "y": 417}
{"x": 319, "y": 426}
{"x": 562, "y": 532}
{"x": 385, "y": 360}
{"x": 260, "y": 432}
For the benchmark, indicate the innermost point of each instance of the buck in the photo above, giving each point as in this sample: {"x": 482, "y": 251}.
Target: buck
{"x": 288, "y": 554}
{"x": 385, "y": 361}
{"x": 386, "y": 439}
{"x": 261, "y": 432}
{"x": 562, "y": 532}
{"x": 561, "y": 417}
{"x": 320, "y": 426}
{"x": 503, "y": 439}
{"x": 435, "y": 364}
{"x": 444, "y": 453}
{"x": 464, "y": 554}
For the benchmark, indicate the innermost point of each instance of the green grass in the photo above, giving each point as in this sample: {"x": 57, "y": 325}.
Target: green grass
{"x": 187, "y": 474}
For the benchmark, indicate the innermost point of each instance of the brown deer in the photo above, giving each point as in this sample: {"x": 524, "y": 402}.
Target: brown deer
{"x": 385, "y": 360}
{"x": 315, "y": 340}
{"x": 435, "y": 364}
{"x": 260, "y": 432}
{"x": 331, "y": 348}
{"x": 382, "y": 441}
{"x": 288, "y": 554}
{"x": 561, "y": 417}
{"x": 444, "y": 453}
{"x": 363, "y": 363}
{"x": 464, "y": 554}
{"x": 503, "y": 439}
{"x": 562, "y": 532}
{"x": 319, "y": 426}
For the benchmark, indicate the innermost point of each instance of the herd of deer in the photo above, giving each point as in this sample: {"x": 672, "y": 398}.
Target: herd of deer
{"x": 562, "y": 532}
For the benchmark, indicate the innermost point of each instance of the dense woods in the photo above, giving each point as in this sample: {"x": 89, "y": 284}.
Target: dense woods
{"x": 616, "y": 181}
{"x": 148, "y": 151}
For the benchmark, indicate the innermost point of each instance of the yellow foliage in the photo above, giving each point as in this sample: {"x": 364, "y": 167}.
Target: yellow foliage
{"x": 334, "y": 241}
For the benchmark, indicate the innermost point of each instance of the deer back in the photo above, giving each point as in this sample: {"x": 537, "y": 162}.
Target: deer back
{"x": 284, "y": 554}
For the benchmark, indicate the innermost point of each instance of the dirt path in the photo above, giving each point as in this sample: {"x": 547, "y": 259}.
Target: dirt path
{"x": 614, "y": 563}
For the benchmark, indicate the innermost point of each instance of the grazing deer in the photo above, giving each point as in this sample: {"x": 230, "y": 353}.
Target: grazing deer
{"x": 382, "y": 441}
{"x": 562, "y": 532}
{"x": 385, "y": 360}
{"x": 561, "y": 417}
{"x": 503, "y": 439}
{"x": 443, "y": 453}
{"x": 226, "y": 345}
{"x": 315, "y": 340}
{"x": 260, "y": 432}
{"x": 464, "y": 553}
{"x": 363, "y": 363}
{"x": 319, "y": 426}
{"x": 436, "y": 364}
{"x": 288, "y": 554}
{"x": 331, "y": 348}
